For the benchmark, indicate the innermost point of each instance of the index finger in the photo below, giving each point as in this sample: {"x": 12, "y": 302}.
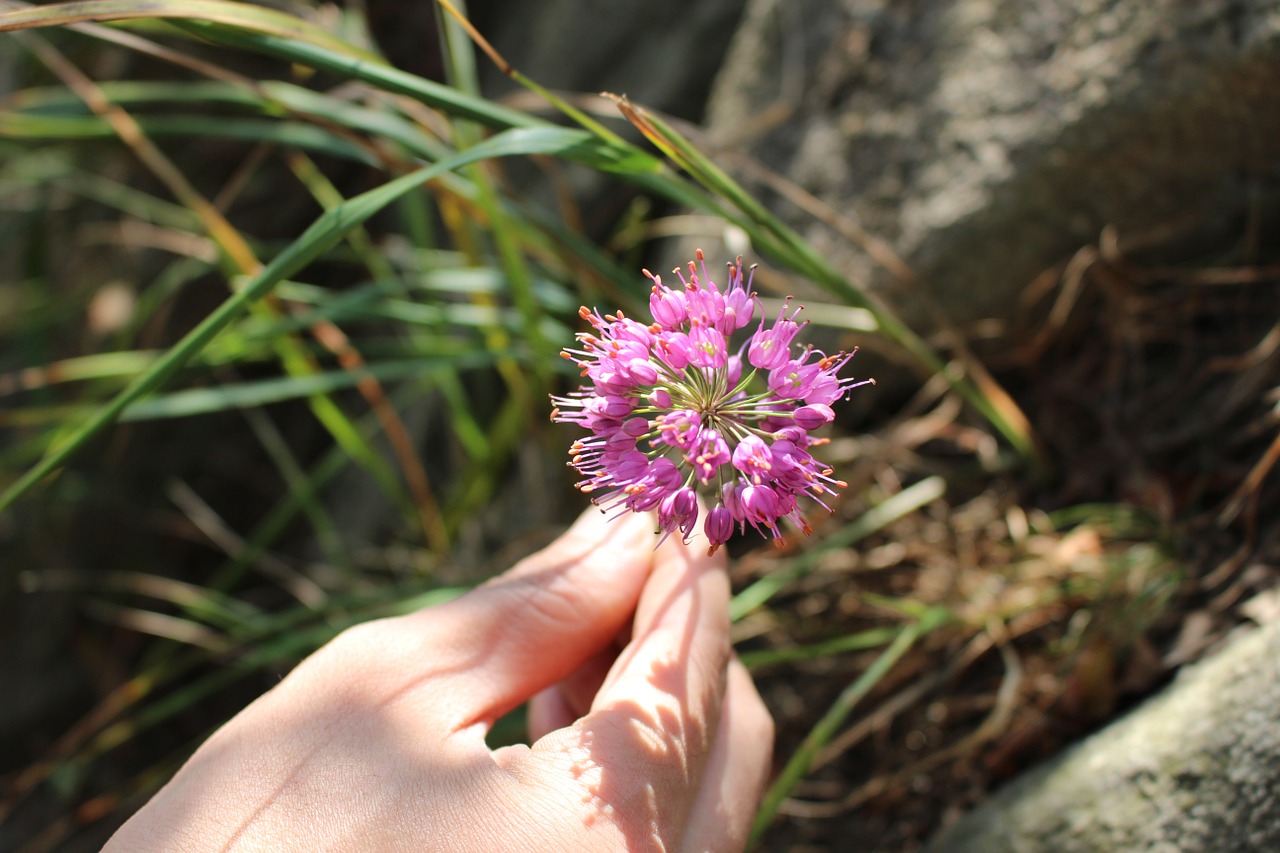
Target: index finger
{"x": 680, "y": 637}
{"x": 648, "y": 735}
{"x": 464, "y": 663}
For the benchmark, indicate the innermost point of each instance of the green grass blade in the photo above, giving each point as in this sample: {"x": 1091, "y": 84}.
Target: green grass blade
{"x": 277, "y": 448}
{"x": 106, "y": 365}
{"x": 606, "y": 154}
{"x": 471, "y": 435}
{"x": 792, "y": 249}
{"x": 377, "y": 74}
{"x": 302, "y": 492}
{"x": 322, "y": 235}
{"x": 200, "y": 401}
{"x": 822, "y": 732}
{"x": 903, "y": 503}
{"x": 861, "y": 641}
{"x": 603, "y": 151}
{"x": 278, "y": 132}
{"x": 267, "y": 98}
{"x": 242, "y": 16}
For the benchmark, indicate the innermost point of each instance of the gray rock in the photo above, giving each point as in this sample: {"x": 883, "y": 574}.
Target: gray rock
{"x": 986, "y": 140}
{"x": 661, "y": 53}
{"x": 1197, "y": 768}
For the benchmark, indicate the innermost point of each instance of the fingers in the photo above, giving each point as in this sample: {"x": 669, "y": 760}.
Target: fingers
{"x": 548, "y": 711}
{"x": 658, "y": 724}
{"x": 736, "y": 771}
{"x": 680, "y": 638}
{"x": 649, "y": 732}
{"x": 482, "y": 654}
{"x": 561, "y": 705}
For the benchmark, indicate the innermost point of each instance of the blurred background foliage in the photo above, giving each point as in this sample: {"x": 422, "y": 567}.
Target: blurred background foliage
{"x": 279, "y": 316}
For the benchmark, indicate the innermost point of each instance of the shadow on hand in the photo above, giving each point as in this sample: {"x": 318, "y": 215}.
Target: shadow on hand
{"x": 641, "y": 761}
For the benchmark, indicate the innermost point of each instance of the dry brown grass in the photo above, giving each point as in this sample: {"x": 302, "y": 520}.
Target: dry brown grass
{"x": 1155, "y": 390}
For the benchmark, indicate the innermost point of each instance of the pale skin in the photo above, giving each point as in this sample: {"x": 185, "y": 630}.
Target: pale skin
{"x": 646, "y": 732}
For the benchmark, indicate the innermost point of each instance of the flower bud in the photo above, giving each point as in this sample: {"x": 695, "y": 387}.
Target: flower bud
{"x": 813, "y": 416}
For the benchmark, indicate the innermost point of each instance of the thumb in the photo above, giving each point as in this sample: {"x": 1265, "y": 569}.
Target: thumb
{"x": 532, "y": 626}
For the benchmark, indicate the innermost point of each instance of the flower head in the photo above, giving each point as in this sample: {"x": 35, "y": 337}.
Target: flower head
{"x": 671, "y": 414}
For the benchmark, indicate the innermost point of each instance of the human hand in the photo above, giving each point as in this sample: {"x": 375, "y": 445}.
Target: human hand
{"x": 376, "y": 741}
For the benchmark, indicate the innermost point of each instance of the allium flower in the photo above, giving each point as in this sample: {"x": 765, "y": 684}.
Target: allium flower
{"x": 672, "y": 415}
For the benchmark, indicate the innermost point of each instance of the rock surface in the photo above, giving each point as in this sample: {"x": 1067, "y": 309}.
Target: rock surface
{"x": 1197, "y": 768}
{"x": 987, "y": 140}
{"x": 662, "y": 53}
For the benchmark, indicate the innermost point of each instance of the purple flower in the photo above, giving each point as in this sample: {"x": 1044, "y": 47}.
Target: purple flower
{"x": 670, "y": 414}
{"x": 668, "y": 307}
{"x": 814, "y": 416}
{"x": 753, "y": 458}
{"x": 708, "y": 348}
{"x": 707, "y": 454}
{"x": 679, "y": 428}
{"x": 769, "y": 348}
{"x": 719, "y": 526}
{"x": 679, "y": 509}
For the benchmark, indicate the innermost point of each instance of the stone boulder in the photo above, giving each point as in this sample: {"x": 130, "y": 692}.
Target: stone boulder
{"x": 662, "y": 53}
{"x": 1194, "y": 770}
{"x": 987, "y": 140}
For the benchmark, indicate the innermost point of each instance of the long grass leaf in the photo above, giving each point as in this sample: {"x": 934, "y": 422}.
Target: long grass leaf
{"x": 322, "y": 235}
{"x": 242, "y": 16}
{"x": 277, "y": 448}
{"x": 107, "y": 365}
{"x": 34, "y": 126}
{"x": 201, "y": 401}
{"x": 377, "y": 74}
{"x": 981, "y": 392}
{"x": 891, "y": 509}
{"x": 285, "y": 133}
{"x": 830, "y": 723}
{"x": 861, "y": 641}
{"x": 269, "y": 97}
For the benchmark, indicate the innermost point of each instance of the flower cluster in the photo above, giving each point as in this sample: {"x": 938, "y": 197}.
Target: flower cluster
{"x": 673, "y": 412}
